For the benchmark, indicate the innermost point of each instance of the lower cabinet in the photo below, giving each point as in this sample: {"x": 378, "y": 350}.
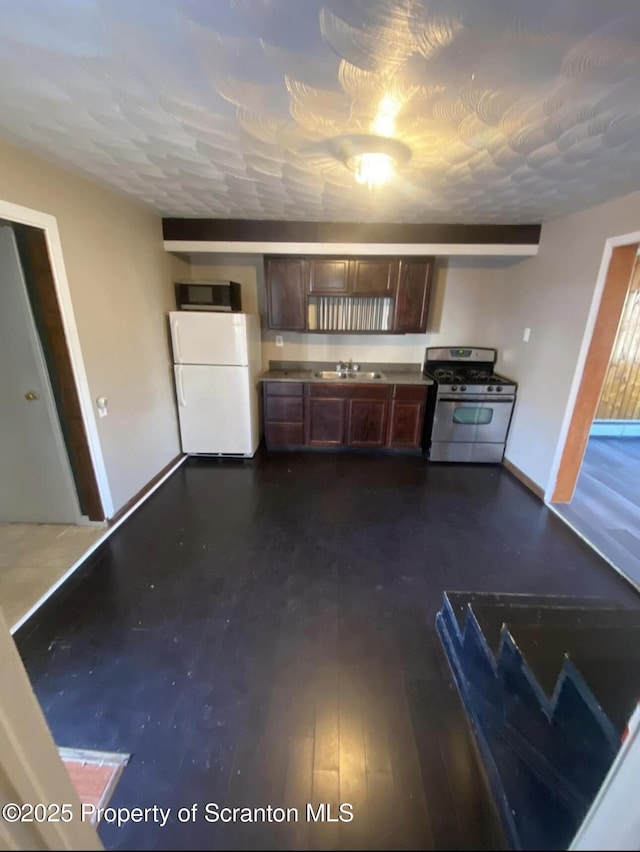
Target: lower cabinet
{"x": 406, "y": 418}
{"x": 325, "y": 415}
{"x": 367, "y": 423}
{"x": 284, "y": 414}
{"x": 325, "y": 421}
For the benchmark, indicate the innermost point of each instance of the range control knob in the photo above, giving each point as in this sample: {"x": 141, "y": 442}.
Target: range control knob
{"x": 490, "y": 388}
{"x": 463, "y": 387}
{"x": 498, "y": 389}
{"x": 454, "y": 387}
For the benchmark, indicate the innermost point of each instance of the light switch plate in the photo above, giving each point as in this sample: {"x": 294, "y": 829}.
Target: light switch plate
{"x": 526, "y": 335}
{"x": 279, "y": 340}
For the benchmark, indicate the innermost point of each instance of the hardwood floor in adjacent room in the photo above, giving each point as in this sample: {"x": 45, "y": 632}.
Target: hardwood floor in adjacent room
{"x": 262, "y": 633}
{"x": 606, "y": 504}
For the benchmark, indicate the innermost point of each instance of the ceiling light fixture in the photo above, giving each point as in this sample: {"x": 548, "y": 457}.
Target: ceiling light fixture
{"x": 372, "y": 159}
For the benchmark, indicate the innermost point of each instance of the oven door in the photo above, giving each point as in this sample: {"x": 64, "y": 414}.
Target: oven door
{"x": 472, "y": 419}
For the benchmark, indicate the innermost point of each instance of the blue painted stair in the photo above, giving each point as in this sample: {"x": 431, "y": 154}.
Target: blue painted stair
{"x": 548, "y": 683}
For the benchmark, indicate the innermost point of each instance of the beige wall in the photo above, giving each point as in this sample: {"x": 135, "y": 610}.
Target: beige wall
{"x": 552, "y": 294}
{"x": 466, "y": 295}
{"x": 120, "y": 282}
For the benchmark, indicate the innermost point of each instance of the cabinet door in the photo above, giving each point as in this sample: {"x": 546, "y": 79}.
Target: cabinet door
{"x": 412, "y": 298}
{"x": 367, "y": 422}
{"x": 325, "y": 422}
{"x": 286, "y": 297}
{"x": 329, "y": 276}
{"x": 405, "y": 424}
{"x": 374, "y": 276}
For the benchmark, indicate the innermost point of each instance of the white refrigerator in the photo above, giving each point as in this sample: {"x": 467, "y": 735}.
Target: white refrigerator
{"x": 217, "y": 363}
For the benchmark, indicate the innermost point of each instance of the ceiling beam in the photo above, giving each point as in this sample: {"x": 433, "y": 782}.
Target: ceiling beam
{"x": 259, "y": 236}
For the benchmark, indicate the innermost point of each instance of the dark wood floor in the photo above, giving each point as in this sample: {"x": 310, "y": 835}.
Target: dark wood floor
{"x": 606, "y": 504}
{"x": 263, "y": 633}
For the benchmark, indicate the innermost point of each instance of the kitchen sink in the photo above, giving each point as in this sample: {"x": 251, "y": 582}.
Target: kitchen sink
{"x": 353, "y": 376}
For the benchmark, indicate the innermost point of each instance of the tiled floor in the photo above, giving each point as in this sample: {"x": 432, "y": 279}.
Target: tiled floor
{"x": 94, "y": 774}
{"x": 33, "y": 557}
{"x": 606, "y": 505}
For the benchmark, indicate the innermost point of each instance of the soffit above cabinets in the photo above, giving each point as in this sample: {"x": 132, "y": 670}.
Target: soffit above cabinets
{"x": 515, "y": 111}
{"x": 242, "y": 236}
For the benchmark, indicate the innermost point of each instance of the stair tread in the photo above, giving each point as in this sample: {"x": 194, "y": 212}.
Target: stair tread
{"x": 534, "y": 815}
{"x": 608, "y": 659}
{"x": 491, "y": 618}
{"x": 459, "y": 601}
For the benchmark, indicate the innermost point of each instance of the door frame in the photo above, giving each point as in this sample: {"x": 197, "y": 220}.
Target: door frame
{"x": 48, "y": 224}
{"x": 31, "y": 769}
{"x": 612, "y": 284}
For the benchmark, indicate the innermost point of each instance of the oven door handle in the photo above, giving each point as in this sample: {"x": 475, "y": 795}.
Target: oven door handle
{"x": 490, "y": 399}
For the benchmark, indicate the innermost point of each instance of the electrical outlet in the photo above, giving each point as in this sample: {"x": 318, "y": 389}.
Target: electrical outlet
{"x": 526, "y": 335}
{"x": 279, "y": 340}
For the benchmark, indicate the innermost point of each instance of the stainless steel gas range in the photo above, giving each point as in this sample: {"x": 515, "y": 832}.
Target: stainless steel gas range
{"x": 471, "y": 405}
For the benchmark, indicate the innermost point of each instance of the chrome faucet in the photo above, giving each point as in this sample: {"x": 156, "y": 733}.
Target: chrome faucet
{"x": 343, "y": 367}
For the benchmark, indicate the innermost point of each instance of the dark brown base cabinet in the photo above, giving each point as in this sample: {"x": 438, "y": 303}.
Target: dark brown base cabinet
{"x": 367, "y": 423}
{"x": 284, "y": 414}
{"x": 325, "y": 421}
{"x": 406, "y": 417}
{"x": 332, "y": 415}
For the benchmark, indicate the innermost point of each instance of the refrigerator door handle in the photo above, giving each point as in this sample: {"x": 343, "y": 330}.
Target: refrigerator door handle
{"x": 176, "y": 337}
{"x": 181, "y": 400}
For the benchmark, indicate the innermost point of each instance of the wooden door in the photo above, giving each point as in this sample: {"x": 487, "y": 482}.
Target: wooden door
{"x": 412, "y": 297}
{"x": 367, "y": 422}
{"x": 374, "y": 276}
{"x": 286, "y": 297}
{"x": 328, "y": 276}
{"x": 326, "y": 422}
{"x": 406, "y": 417}
{"x": 405, "y": 424}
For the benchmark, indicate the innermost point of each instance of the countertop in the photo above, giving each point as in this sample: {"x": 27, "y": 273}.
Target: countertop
{"x": 394, "y": 374}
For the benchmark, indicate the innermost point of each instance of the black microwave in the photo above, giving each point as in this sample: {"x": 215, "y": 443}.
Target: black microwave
{"x": 208, "y": 296}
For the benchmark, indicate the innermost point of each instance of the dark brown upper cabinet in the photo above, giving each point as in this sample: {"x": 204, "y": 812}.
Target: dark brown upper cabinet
{"x": 361, "y": 276}
{"x": 297, "y": 286}
{"x": 412, "y": 297}
{"x": 373, "y": 276}
{"x": 286, "y": 293}
{"x": 328, "y": 276}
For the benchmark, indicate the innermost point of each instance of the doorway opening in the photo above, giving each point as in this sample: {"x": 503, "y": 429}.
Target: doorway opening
{"x": 51, "y": 511}
{"x": 596, "y": 490}
{"x": 46, "y": 322}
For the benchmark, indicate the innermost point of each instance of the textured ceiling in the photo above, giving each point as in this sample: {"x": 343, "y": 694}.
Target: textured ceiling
{"x": 514, "y": 110}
